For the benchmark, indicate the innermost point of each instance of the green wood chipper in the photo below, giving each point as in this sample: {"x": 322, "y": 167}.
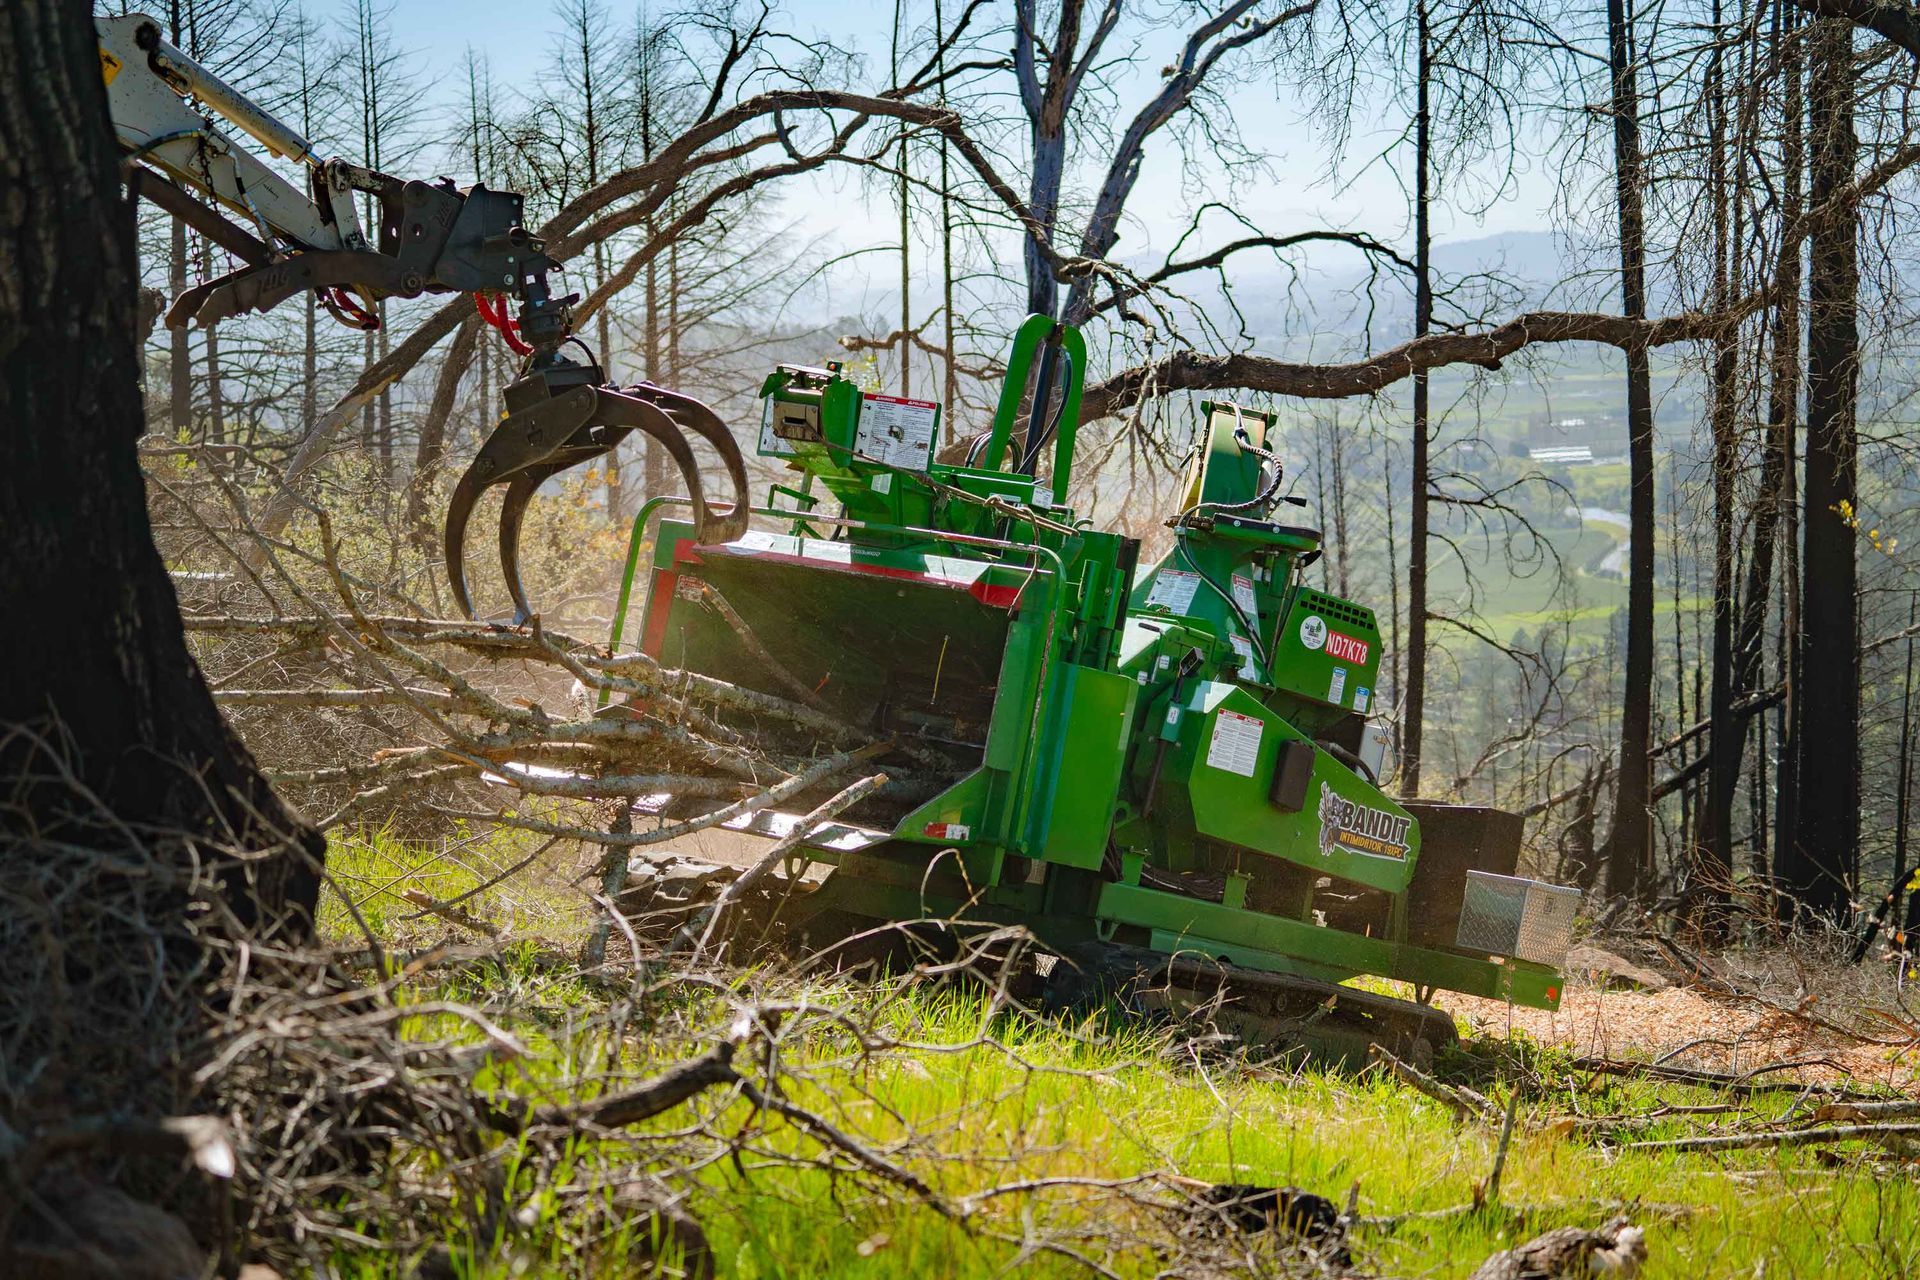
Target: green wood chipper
{"x": 1166, "y": 772}
{"x": 1164, "y": 769}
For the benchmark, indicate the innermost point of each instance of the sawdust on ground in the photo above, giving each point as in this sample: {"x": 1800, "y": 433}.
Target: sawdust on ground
{"x": 1689, "y": 1028}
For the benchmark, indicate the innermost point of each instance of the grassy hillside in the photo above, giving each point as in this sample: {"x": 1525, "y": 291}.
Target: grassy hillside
{"x": 936, "y": 1131}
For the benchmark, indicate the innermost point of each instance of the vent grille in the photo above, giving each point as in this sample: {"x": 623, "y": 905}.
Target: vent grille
{"x": 1334, "y": 607}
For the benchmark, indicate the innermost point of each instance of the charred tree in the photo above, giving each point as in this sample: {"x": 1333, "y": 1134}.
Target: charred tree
{"x": 1773, "y": 507}
{"x": 179, "y": 354}
{"x": 1710, "y": 889}
{"x": 1629, "y": 840}
{"x": 1413, "y": 717}
{"x": 102, "y": 679}
{"x": 1819, "y": 857}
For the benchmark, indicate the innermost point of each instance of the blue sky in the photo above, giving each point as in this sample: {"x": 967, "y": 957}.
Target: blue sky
{"x": 518, "y": 39}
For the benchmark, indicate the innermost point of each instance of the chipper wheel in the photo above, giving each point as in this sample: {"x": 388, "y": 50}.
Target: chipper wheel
{"x": 1272, "y": 1012}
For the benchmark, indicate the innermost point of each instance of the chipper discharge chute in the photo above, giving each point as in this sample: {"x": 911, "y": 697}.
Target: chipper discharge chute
{"x": 1166, "y": 772}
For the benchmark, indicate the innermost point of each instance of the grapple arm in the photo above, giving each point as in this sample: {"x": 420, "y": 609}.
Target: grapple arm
{"x": 431, "y": 237}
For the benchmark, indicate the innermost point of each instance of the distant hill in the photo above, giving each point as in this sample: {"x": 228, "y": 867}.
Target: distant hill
{"x": 1334, "y": 295}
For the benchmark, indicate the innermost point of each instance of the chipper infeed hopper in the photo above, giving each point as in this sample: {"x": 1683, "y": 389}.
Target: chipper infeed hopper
{"x": 1165, "y": 771}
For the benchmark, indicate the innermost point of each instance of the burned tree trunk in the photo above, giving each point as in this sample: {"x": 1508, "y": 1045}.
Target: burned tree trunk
{"x": 1711, "y": 889}
{"x": 1413, "y": 717}
{"x": 1819, "y": 856}
{"x": 1629, "y": 841}
{"x": 108, "y": 735}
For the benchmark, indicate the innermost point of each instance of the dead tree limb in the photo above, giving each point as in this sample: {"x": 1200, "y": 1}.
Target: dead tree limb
{"x": 1780, "y": 1138}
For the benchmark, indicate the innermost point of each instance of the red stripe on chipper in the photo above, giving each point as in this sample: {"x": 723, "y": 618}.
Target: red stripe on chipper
{"x": 992, "y": 594}
{"x": 653, "y": 636}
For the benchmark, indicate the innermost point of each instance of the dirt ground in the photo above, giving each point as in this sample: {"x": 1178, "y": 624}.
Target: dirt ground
{"x": 1690, "y": 1028}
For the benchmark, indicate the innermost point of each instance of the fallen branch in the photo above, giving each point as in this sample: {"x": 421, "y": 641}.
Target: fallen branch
{"x": 336, "y": 698}
{"x": 676, "y": 1085}
{"x": 1518, "y": 1213}
{"x": 1859, "y": 1111}
{"x": 1489, "y": 1193}
{"x": 450, "y": 913}
{"x": 1745, "y": 1082}
{"x": 1779, "y": 1138}
{"x": 711, "y": 595}
{"x": 440, "y": 631}
{"x": 1463, "y": 1102}
{"x": 793, "y": 786}
{"x": 686, "y": 1081}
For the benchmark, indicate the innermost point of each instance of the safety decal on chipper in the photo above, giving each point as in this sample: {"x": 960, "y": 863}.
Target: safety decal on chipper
{"x": 898, "y": 432}
{"x": 1173, "y": 590}
{"x": 1235, "y": 744}
{"x": 1356, "y": 828}
{"x": 1244, "y": 597}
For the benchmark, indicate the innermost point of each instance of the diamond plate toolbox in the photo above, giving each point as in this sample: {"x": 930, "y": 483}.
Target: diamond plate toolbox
{"x": 1514, "y": 916}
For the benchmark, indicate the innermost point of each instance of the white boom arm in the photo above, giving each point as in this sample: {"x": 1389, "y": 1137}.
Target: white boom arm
{"x": 429, "y": 237}
{"x": 148, "y": 84}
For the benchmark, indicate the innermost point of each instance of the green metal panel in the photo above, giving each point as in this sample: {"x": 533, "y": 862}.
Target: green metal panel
{"x": 1348, "y": 829}
{"x": 1231, "y": 474}
{"x": 957, "y": 815}
{"x": 1200, "y": 925}
{"x": 1012, "y": 727}
{"x": 1328, "y": 650}
{"x": 1169, "y": 943}
{"x": 1083, "y": 773}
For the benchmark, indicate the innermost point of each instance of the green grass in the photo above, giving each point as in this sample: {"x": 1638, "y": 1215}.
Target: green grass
{"x": 971, "y": 1098}
{"x": 1046, "y": 1101}
{"x": 1229, "y": 1121}
{"x": 370, "y": 870}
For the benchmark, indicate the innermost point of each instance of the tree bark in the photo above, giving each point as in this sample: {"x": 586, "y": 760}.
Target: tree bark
{"x": 1773, "y": 503}
{"x": 101, "y": 665}
{"x": 1819, "y": 861}
{"x": 1047, "y": 111}
{"x": 1711, "y": 882}
{"x": 1413, "y": 717}
{"x": 216, "y": 400}
{"x": 432, "y": 452}
{"x": 1629, "y": 840}
{"x": 179, "y": 350}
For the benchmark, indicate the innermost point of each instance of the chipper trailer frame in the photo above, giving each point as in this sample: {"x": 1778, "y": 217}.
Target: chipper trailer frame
{"x": 1164, "y": 771}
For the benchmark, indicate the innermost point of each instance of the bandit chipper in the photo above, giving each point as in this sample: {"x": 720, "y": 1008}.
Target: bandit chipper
{"x": 1166, "y": 772}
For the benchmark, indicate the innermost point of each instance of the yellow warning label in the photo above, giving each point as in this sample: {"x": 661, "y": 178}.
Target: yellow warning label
{"x": 109, "y": 66}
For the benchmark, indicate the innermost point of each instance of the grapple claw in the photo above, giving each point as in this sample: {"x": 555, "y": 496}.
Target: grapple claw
{"x": 513, "y": 510}
{"x": 696, "y": 415}
{"x": 454, "y": 537}
{"x": 525, "y": 438}
{"x": 550, "y": 434}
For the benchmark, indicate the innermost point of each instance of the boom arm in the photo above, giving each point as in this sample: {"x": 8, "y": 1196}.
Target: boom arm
{"x": 432, "y": 238}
